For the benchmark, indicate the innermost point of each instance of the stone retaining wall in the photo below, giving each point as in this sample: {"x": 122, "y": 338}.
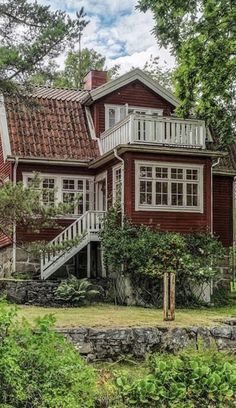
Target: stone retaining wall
{"x": 105, "y": 344}
{"x": 42, "y": 293}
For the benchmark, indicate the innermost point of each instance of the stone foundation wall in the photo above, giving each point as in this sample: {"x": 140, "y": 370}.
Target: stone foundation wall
{"x": 42, "y": 293}
{"x": 26, "y": 264}
{"x": 105, "y": 344}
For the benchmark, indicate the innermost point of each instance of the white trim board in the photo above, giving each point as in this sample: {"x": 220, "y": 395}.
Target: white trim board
{"x": 6, "y": 147}
{"x": 136, "y": 74}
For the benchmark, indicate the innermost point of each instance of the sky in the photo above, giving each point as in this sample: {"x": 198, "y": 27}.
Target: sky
{"x": 118, "y": 31}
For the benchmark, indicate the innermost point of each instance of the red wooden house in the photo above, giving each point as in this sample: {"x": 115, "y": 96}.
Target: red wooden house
{"x": 112, "y": 136}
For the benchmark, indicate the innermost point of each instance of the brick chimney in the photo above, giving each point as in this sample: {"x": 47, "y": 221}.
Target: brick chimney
{"x": 94, "y": 79}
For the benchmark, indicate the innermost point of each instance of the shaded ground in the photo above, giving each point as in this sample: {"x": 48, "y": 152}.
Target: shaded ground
{"x": 121, "y": 316}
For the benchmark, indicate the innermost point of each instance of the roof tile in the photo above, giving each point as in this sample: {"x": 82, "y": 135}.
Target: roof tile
{"x": 50, "y": 125}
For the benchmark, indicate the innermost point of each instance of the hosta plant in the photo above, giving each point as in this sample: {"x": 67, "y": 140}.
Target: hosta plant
{"x": 76, "y": 291}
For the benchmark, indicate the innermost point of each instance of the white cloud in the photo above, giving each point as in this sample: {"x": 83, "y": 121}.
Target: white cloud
{"x": 118, "y": 31}
{"x": 138, "y": 59}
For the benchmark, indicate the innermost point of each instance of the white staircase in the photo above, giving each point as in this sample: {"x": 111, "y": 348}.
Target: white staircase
{"x": 85, "y": 227}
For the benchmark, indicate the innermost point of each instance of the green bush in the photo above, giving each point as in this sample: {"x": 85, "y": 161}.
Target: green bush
{"x": 188, "y": 380}
{"x": 39, "y": 368}
{"x": 76, "y": 291}
{"x": 150, "y": 253}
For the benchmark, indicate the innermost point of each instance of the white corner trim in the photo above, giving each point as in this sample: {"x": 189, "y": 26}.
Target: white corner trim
{"x": 90, "y": 123}
{"x": 92, "y": 129}
{"x": 136, "y": 74}
{"x": 6, "y": 147}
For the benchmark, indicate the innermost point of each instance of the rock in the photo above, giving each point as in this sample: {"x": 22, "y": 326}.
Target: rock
{"x": 222, "y": 331}
{"x": 174, "y": 340}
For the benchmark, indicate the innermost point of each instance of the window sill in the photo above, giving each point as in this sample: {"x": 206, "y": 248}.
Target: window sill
{"x": 170, "y": 209}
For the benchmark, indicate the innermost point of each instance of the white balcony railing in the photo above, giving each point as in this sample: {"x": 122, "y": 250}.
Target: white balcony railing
{"x": 147, "y": 129}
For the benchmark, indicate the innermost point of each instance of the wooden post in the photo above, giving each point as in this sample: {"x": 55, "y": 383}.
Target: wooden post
{"x": 169, "y": 296}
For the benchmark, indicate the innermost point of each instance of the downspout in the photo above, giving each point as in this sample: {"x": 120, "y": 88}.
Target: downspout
{"x": 122, "y": 183}
{"x": 212, "y": 166}
{"x": 14, "y": 224}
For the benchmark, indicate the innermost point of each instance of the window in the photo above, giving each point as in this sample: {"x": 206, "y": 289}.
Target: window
{"x": 46, "y": 185}
{"x": 169, "y": 186}
{"x": 117, "y": 183}
{"x": 115, "y": 113}
{"x": 77, "y": 191}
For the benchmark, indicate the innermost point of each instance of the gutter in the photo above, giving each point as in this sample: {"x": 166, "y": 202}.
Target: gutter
{"x": 154, "y": 149}
{"x": 56, "y": 162}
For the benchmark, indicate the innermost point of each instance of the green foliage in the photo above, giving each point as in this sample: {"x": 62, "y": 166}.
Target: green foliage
{"x": 24, "y": 206}
{"x": 77, "y": 65}
{"x": 192, "y": 380}
{"x": 76, "y": 291}
{"x": 202, "y": 36}
{"x": 149, "y": 253}
{"x": 39, "y": 368}
{"x": 162, "y": 74}
{"x": 42, "y": 34}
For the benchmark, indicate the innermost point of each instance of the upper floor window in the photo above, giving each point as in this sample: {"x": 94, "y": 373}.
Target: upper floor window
{"x": 169, "y": 186}
{"x": 77, "y": 191}
{"x": 115, "y": 113}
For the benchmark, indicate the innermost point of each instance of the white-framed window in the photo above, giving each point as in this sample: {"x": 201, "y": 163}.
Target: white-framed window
{"x": 115, "y": 113}
{"x": 75, "y": 190}
{"x": 168, "y": 187}
{"x": 117, "y": 183}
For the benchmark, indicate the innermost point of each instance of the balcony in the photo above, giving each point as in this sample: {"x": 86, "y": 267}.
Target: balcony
{"x": 155, "y": 131}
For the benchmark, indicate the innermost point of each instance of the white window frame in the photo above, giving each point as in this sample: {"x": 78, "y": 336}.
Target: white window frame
{"x": 148, "y": 111}
{"x": 169, "y": 208}
{"x": 59, "y": 187}
{"x": 114, "y": 192}
{"x": 118, "y": 107}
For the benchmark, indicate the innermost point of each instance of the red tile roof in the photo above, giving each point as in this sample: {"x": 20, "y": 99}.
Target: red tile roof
{"x": 50, "y": 125}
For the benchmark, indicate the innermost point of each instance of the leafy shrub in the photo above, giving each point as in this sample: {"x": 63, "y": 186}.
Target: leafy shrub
{"x": 149, "y": 253}
{"x": 187, "y": 380}
{"x": 39, "y": 368}
{"x": 76, "y": 291}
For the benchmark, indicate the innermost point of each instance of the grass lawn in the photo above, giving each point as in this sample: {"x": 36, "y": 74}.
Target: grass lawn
{"x": 103, "y": 315}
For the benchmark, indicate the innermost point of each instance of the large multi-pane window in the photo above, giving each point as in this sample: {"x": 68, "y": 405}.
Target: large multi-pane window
{"x": 76, "y": 191}
{"x": 169, "y": 186}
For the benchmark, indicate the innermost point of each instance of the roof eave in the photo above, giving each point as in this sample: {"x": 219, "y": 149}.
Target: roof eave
{"x": 43, "y": 160}
{"x": 154, "y": 149}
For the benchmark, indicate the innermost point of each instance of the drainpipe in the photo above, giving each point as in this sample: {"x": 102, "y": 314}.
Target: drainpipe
{"x": 122, "y": 183}
{"x": 14, "y": 224}
{"x": 212, "y": 166}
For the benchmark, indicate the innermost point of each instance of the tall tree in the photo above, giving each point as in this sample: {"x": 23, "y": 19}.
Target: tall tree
{"x": 31, "y": 35}
{"x": 202, "y": 36}
{"x": 77, "y": 65}
{"x": 162, "y": 74}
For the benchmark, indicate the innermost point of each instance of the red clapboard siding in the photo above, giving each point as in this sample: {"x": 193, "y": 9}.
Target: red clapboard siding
{"x": 223, "y": 209}
{"x": 167, "y": 221}
{"x": 135, "y": 94}
{"x": 5, "y": 172}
